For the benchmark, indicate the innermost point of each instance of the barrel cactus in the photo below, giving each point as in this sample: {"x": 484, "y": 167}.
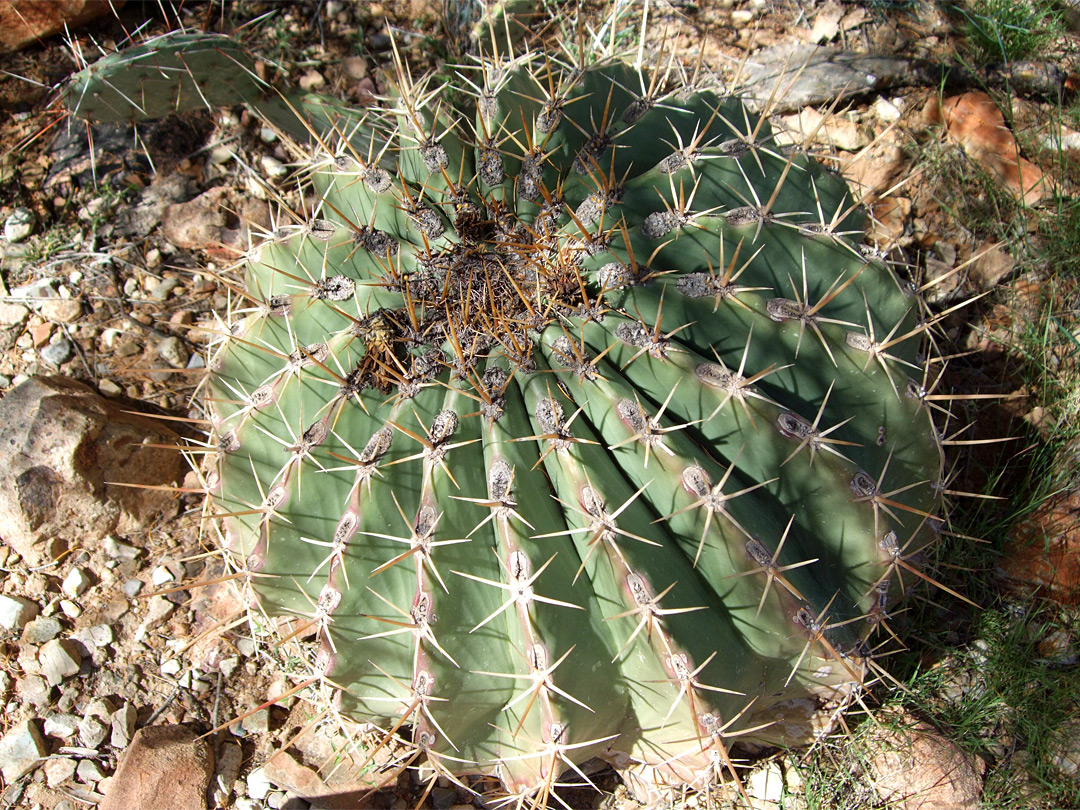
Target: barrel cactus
{"x": 572, "y": 413}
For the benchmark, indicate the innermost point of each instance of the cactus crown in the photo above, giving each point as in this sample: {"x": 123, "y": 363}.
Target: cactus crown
{"x": 576, "y": 419}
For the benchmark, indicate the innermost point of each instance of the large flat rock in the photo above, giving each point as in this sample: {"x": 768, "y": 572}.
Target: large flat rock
{"x": 64, "y": 449}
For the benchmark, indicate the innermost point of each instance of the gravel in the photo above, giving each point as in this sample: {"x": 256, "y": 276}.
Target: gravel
{"x": 60, "y": 725}
{"x": 21, "y": 749}
{"x": 59, "y": 659}
{"x": 123, "y": 726}
{"x": 19, "y": 225}
{"x": 58, "y": 352}
{"x": 92, "y": 732}
{"x": 75, "y": 583}
{"x": 15, "y": 612}
{"x": 59, "y": 770}
{"x": 41, "y": 630}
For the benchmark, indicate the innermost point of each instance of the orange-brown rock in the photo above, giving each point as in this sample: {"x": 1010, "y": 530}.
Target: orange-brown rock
{"x": 164, "y": 768}
{"x": 974, "y": 121}
{"x": 916, "y": 768}
{"x": 23, "y": 22}
{"x": 77, "y": 466}
{"x": 1043, "y": 552}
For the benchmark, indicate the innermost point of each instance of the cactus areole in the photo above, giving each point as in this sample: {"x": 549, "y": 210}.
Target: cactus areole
{"x": 575, "y": 416}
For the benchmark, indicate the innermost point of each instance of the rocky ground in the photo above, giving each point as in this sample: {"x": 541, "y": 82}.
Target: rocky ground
{"x": 119, "y": 664}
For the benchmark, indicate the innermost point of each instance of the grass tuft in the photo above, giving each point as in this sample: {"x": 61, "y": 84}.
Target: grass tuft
{"x": 1010, "y": 30}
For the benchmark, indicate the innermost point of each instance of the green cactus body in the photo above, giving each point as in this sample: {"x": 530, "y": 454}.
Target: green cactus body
{"x": 175, "y": 72}
{"x": 577, "y": 425}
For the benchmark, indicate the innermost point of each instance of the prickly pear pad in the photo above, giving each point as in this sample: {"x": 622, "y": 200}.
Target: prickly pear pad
{"x": 171, "y": 73}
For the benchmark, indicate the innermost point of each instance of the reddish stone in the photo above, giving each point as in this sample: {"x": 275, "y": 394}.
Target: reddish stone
{"x": 164, "y": 768}
{"x": 23, "y": 22}
{"x": 65, "y": 451}
{"x": 975, "y": 122}
{"x": 343, "y": 793}
{"x": 1043, "y": 552}
{"x": 916, "y": 768}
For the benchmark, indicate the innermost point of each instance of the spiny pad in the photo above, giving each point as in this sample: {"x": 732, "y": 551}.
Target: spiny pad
{"x": 172, "y": 73}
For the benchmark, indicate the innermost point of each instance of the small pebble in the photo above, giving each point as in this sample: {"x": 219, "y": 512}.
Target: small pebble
{"x": 272, "y": 167}
{"x": 92, "y": 732}
{"x": 229, "y": 762}
{"x": 33, "y": 690}
{"x": 108, "y": 338}
{"x": 258, "y": 785}
{"x": 355, "y": 67}
{"x": 95, "y": 637}
{"x": 40, "y": 333}
{"x": 102, "y": 708}
{"x": 41, "y": 630}
{"x": 161, "y": 575}
{"x": 312, "y": 81}
{"x": 93, "y": 209}
{"x": 61, "y": 725}
{"x": 886, "y": 110}
{"x": 75, "y": 583}
{"x": 158, "y": 609}
{"x": 172, "y": 351}
{"x": 21, "y": 748}
{"x": 19, "y": 225}
{"x": 66, "y": 703}
{"x": 13, "y": 314}
{"x": 70, "y": 609}
{"x": 257, "y": 188}
{"x": 257, "y": 723}
{"x": 120, "y": 551}
{"x": 58, "y": 352}
{"x": 89, "y": 772}
{"x": 123, "y": 726}
{"x": 127, "y": 348}
{"x": 62, "y": 310}
{"x": 132, "y": 588}
{"x": 171, "y": 668}
{"x": 107, "y": 388}
{"x": 59, "y": 770}
{"x": 35, "y": 291}
{"x": 443, "y": 798}
{"x": 220, "y": 155}
{"x": 161, "y": 291}
{"x": 59, "y": 659}
{"x": 15, "y": 612}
